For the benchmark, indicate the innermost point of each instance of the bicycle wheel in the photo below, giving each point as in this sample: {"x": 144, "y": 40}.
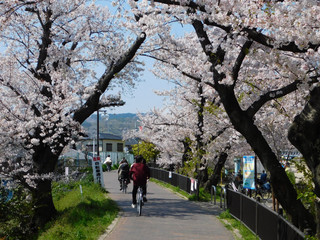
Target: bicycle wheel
{"x": 139, "y": 201}
{"x": 258, "y": 196}
{"x": 124, "y": 186}
{"x": 267, "y": 195}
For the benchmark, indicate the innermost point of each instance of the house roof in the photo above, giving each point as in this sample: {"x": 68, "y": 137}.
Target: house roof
{"x": 132, "y": 141}
{"x": 104, "y": 136}
{"x": 71, "y": 153}
{"x": 109, "y": 136}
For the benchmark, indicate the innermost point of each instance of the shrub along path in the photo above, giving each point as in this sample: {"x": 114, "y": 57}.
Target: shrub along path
{"x": 164, "y": 216}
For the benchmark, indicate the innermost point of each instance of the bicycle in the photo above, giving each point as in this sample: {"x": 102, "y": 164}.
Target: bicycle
{"x": 140, "y": 202}
{"x": 124, "y": 185}
{"x": 263, "y": 192}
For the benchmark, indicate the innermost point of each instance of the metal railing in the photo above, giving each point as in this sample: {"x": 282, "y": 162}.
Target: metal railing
{"x": 261, "y": 220}
{"x": 177, "y": 180}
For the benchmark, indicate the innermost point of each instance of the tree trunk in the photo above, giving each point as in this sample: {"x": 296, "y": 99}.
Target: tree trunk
{"x": 215, "y": 177}
{"x": 304, "y": 134}
{"x": 45, "y": 160}
{"x": 44, "y": 209}
{"x": 283, "y": 189}
{"x": 44, "y": 163}
{"x": 186, "y": 151}
{"x": 202, "y": 169}
{"x": 202, "y": 175}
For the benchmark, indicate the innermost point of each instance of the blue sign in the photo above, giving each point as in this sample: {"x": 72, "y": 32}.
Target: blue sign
{"x": 248, "y": 172}
{"x": 9, "y": 193}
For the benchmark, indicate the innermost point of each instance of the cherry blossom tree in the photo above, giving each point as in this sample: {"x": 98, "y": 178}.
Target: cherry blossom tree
{"x": 50, "y": 82}
{"x": 253, "y": 54}
{"x": 304, "y": 134}
{"x": 187, "y": 128}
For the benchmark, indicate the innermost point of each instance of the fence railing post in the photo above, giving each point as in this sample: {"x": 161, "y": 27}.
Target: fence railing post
{"x": 256, "y": 220}
{"x": 213, "y": 193}
{"x": 221, "y": 192}
{"x": 240, "y": 207}
{"x": 224, "y": 198}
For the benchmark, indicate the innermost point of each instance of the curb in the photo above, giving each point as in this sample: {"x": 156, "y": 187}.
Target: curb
{"x": 111, "y": 227}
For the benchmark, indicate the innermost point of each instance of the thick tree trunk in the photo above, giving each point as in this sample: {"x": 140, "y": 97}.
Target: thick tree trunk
{"x": 44, "y": 209}
{"x": 304, "y": 134}
{"x": 43, "y": 158}
{"x": 283, "y": 189}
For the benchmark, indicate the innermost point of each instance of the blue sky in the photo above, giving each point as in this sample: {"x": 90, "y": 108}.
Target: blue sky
{"x": 143, "y": 99}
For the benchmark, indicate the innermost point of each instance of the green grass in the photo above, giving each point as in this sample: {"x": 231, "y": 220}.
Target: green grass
{"x": 240, "y": 231}
{"x": 171, "y": 187}
{"x": 81, "y": 216}
{"x": 203, "y": 195}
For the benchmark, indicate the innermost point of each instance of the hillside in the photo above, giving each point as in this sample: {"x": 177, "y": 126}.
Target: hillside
{"x": 113, "y": 123}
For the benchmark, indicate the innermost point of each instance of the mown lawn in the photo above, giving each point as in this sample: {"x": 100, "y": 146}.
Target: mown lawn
{"x": 83, "y": 215}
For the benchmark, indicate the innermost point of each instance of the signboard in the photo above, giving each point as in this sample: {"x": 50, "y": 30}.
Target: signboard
{"x": 97, "y": 171}
{"x": 248, "y": 172}
{"x": 4, "y": 183}
{"x": 193, "y": 184}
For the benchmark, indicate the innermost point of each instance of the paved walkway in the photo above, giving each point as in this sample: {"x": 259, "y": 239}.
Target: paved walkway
{"x": 164, "y": 216}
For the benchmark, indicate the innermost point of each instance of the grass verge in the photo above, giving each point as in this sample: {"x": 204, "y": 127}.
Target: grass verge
{"x": 203, "y": 195}
{"x": 83, "y": 215}
{"x": 176, "y": 190}
{"x": 240, "y": 231}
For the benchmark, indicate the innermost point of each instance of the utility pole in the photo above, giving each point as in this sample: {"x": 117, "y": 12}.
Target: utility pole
{"x": 98, "y": 130}
{"x": 98, "y": 153}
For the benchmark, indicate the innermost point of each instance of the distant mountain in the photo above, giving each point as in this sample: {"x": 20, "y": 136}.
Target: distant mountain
{"x": 113, "y": 123}
{"x": 122, "y": 115}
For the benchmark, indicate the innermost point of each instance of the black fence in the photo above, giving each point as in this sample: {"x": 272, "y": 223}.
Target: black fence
{"x": 264, "y": 222}
{"x": 177, "y": 180}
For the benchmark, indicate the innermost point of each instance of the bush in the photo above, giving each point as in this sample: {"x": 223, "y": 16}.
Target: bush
{"x": 204, "y": 196}
{"x": 115, "y": 166}
{"x": 104, "y": 167}
{"x": 15, "y": 215}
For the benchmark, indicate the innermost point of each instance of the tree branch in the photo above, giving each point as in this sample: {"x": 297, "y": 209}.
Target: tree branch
{"x": 271, "y": 95}
{"x": 252, "y": 33}
{"x": 92, "y": 104}
{"x": 237, "y": 66}
{"x": 176, "y": 66}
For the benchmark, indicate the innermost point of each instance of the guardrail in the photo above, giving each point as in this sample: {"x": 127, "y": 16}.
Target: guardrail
{"x": 183, "y": 182}
{"x": 263, "y": 221}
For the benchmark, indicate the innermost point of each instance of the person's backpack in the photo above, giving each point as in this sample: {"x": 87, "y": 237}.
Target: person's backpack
{"x": 124, "y": 170}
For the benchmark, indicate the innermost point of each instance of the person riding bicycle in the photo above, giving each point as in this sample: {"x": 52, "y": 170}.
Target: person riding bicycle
{"x": 263, "y": 181}
{"x": 108, "y": 162}
{"x": 139, "y": 173}
{"x": 123, "y": 172}
{"x": 263, "y": 178}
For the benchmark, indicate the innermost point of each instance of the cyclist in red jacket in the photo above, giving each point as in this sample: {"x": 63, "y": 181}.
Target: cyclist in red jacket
{"x": 139, "y": 173}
